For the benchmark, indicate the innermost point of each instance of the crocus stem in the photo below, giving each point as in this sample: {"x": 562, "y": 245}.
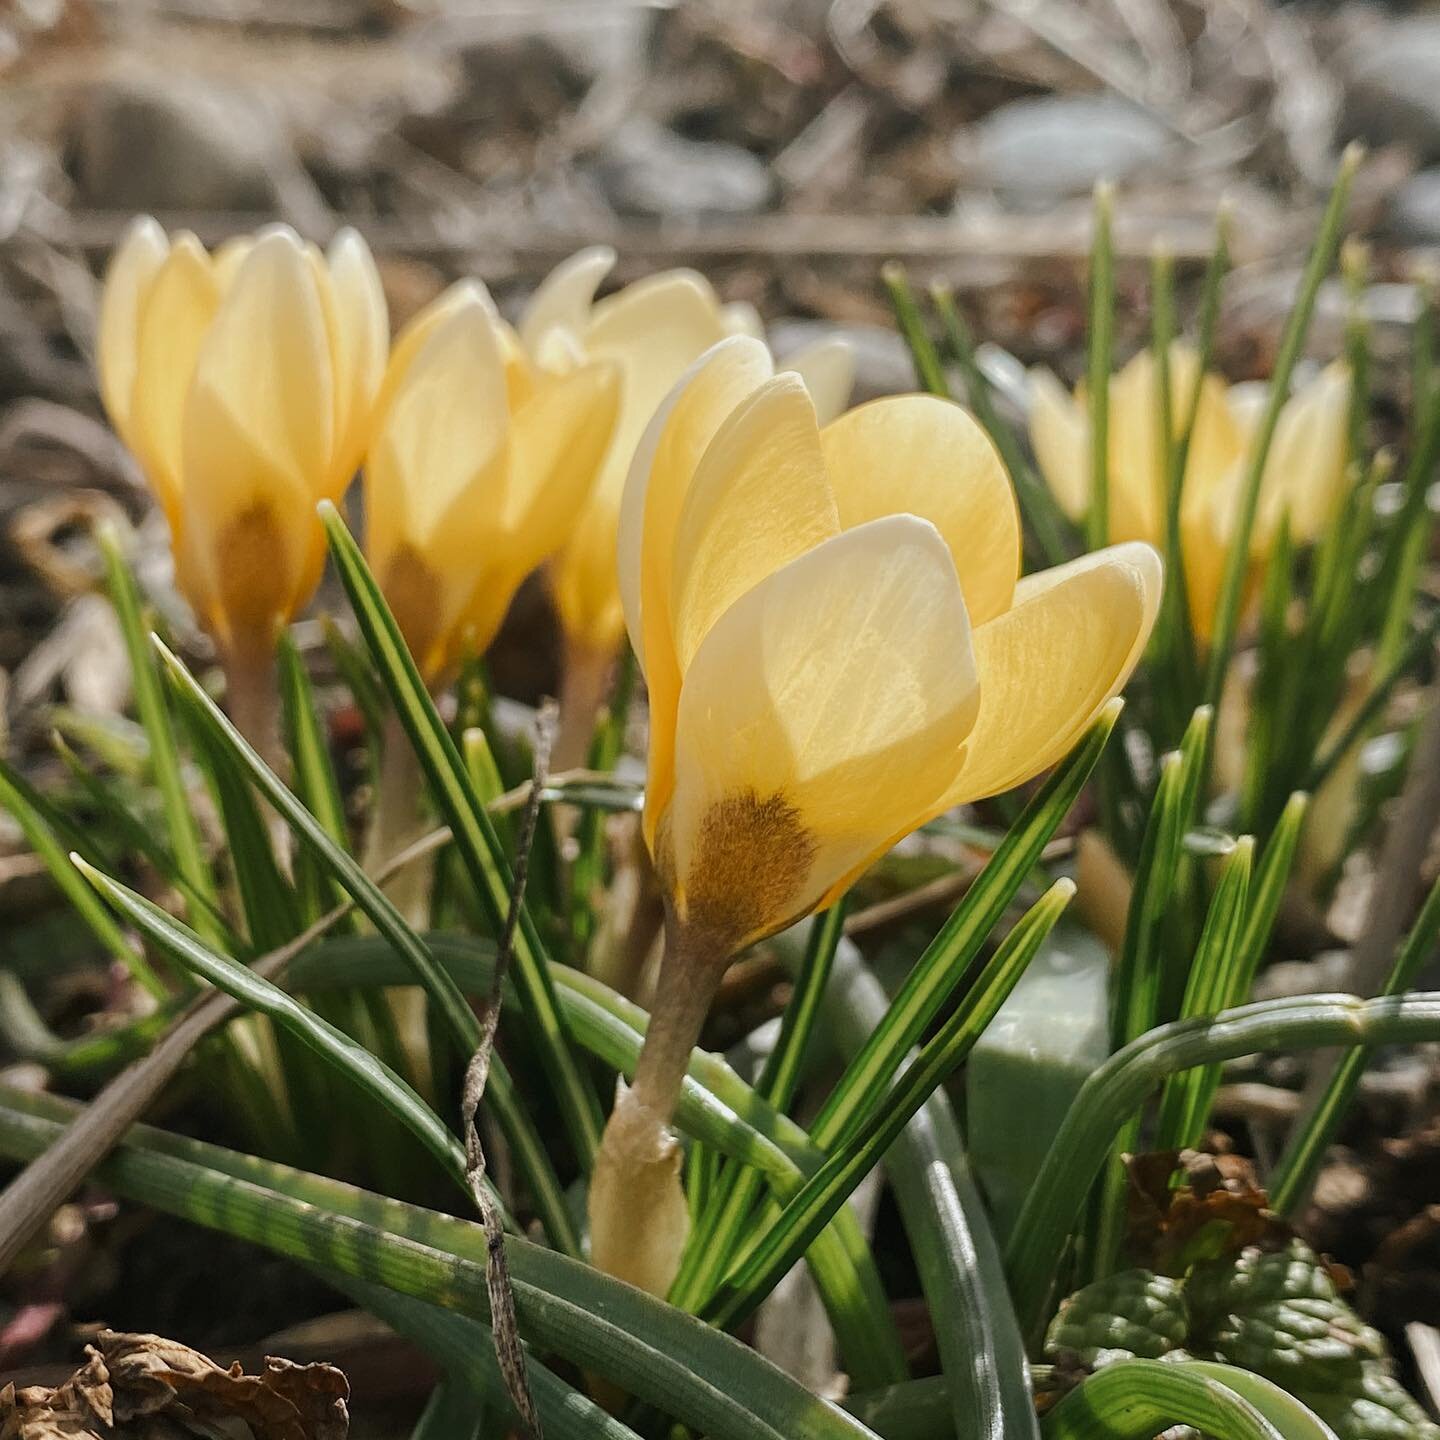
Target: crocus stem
{"x": 252, "y": 698}
{"x": 584, "y": 684}
{"x": 395, "y": 821}
{"x": 639, "y": 1220}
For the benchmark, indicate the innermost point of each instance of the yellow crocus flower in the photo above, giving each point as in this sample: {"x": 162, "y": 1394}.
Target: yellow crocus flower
{"x": 838, "y": 647}
{"x": 243, "y": 383}
{"x": 1304, "y": 472}
{"x": 478, "y": 464}
{"x": 652, "y": 330}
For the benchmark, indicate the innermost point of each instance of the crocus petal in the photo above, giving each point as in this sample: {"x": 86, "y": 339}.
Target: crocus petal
{"x": 1305, "y": 470}
{"x": 421, "y": 326}
{"x": 928, "y": 457}
{"x": 660, "y": 473}
{"x": 759, "y": 499}
{"x": 1060, "y": 437}
{"x": 828, "y": 369}
{"x": 654, "y": 495}
{"x": 177, "y": 313}
{"x": 1050, "y": 663}
{"x": 446, "y": 425}
{"x": 258, "y": 437}
{"x": 362, "y": 344}
{"x": 1136, "y": 474}
{"x": 564, "y": 298}
{"x": 821, "y": 716}
{"x": 128, "y": 279}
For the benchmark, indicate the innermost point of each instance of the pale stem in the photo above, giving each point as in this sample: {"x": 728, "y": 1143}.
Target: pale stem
{"x": 396, "y": 822}
{"x": 639, "y": 1219}
{"x": 252, "y": 699}
{"x": 584, "y": 686}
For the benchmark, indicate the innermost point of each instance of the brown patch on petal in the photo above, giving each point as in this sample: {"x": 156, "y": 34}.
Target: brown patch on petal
{"x": 255, "y": 590}
{"x": 751, "y": 858}
{"x": 412, "y": 591}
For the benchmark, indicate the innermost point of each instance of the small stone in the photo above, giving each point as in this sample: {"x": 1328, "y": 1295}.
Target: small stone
{"x": 1392, "y": 83}
{"x": 648, "y": 170}
{"x": 882, "y": 362}
{"x": 1062, "y": 145}
{"x": 152, "y": 144}
{"x": 1415, "y": 209}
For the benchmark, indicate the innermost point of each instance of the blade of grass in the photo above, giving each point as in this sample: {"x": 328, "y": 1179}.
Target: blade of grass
{"x": 1117, "y": 1089}
{"x": 778, "y": 1247}
{"x": 1297, "y": 325}
{"x": 711, "y": 1247}
{"x": 928, "y": 369}
{"x": 708, "y": 1381}
{"x": 1100, "y": 356}
{"x": 1305, "y": 1150}
{"x": 942, "y": 967}
{"x": 1052, "y": 530}
{"x": 1186, "y": 1100}
{"x": 165, "y": 769}
{"x": 475, "y": 838}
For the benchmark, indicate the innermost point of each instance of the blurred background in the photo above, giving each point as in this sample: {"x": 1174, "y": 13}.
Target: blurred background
{"x": 787, "y": 148}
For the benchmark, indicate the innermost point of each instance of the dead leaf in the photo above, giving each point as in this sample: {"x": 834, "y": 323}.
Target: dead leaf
{"x": 144, "y": 1387}
{"x": 1218, "y": 1208}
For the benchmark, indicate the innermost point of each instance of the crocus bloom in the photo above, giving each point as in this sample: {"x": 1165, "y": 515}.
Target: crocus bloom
{"x": 838, "y": 647}
{"x": 1304, "y": 472}
{"x": 652, "y": 330}
{"x": 478, "y": 464}
{"x": 243, "y": 383}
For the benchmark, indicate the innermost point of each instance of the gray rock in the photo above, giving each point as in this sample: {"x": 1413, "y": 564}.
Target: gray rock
{"x": 645, "y": 169}
{"x": 882, "y": 362}
{"x": 1392, "y": 83}
{"x": 1415, "y": 209}
{"x": 1061, "y": 145}
{"x": 155, "y": 143}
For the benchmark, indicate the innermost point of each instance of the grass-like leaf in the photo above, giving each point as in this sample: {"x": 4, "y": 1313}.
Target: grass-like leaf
{"x": 1117, "y": 1089}
{"x": 780, "y": 1245}
{"x": 475, "y": 839}
{"x": 708, "y": 1381}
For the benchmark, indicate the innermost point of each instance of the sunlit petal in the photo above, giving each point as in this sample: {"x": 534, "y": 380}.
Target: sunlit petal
{"x": 822, "y": 714}
{"x": 1050, "y": 663}
{"x": 759, "y": 499}
{"x": 362, "y": 343}
{"x": 128, "y": 280}
{"x": 928, "y": 457}
{"x": 1060, "y": 436}
{"x": 564, "y": 298}
{"x": 828, "y": 369}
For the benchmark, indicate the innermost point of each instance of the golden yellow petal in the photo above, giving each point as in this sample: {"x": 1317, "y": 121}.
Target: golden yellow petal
{"x": 1060, "y": 437}
{"x": 759, "y": 498}
{"x": 362, "y": 344}
{"x": 821, "y": 716}
{"x": 564, "y": 298}
{"x": 1305, "y": 470}
{"x": 1136, "y": 471}
{"x": 828, "y": 369}
{"x": 665, "y": 461}
{"x": 921, "y": 455}
{"x": 258, "y": 436}
{"x": 431, "y": 477}
{"x": 1049, "y": 664}
{"x": 176, "y": 316}
{"x": 128, "y": 280}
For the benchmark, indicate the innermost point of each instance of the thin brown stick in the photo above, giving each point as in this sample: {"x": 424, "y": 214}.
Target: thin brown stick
{"x": 508, "y": 1350}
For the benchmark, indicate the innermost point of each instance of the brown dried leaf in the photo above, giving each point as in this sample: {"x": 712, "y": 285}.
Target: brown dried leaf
{"x": 144, "y": 1387}
{"x": 1218, "y": 1208}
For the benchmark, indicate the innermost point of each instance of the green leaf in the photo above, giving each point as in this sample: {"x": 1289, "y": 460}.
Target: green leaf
{"x": 475, "y": 839}
{"x": 1185, "y": 1104}
{"x": 31, "y": 814}
{"x": 164, "y": 757}
{"x": 780, "y": 1245}
{"x": 1312, "y": 1136}
{"x": 942, "y": 967}
{"x": 1119, "y": 1087}
{"x": 1136, "y": 1399}
{"x": 928, "y": 369}
{"x": 708, "y": 1381}
{"x": 1099, "y": 362}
